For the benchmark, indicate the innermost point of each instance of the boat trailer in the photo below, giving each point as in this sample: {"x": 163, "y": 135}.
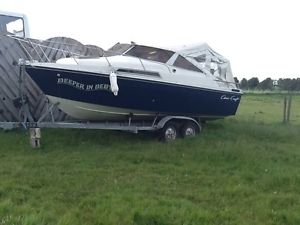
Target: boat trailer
{"x": 170, "y": 127}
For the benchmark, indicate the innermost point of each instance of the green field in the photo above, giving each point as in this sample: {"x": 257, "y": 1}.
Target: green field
{"x": 241, "y": 170}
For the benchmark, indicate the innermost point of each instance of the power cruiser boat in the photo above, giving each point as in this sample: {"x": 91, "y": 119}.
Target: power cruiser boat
{"x": 141, "y": 82}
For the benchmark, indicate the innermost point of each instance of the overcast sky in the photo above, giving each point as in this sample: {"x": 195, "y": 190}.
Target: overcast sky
{"x": 260, "y": 37}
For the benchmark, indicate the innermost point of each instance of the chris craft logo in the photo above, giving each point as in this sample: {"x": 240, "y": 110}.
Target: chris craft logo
{"x": 82, "y": 86}
{"x": 230, "y": 98}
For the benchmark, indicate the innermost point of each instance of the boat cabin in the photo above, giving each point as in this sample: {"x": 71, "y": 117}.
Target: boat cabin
{"x": 199, "y": 58}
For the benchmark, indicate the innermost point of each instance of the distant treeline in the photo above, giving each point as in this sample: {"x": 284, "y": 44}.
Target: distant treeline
{"x": 285, "y": 84}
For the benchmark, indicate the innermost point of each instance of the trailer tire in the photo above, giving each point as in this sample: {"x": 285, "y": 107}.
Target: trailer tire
{"x": 169, "y": 132}
{"x": 189, "y": 129}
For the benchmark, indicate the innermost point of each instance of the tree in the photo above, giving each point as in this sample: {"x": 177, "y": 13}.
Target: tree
{"x": 266, "y": 84}
{"x": 253, "y": 83}
{"x": 236, "y": 80}
{"x": 298, "y": 84}
{"x": 288, "y": 84}
{"x": 244, "y": 84}
{"x": 285, "y": 84}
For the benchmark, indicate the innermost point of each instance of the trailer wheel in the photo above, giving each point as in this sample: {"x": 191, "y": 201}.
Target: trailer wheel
{"x": 189, "y": 129}
{"x": 169, "y": 132}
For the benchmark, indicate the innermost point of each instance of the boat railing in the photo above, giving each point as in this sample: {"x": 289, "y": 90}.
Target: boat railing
{"x": 37, "y": 50}
{"x": 155, "y": 61}
{"x": 142, "y": 64}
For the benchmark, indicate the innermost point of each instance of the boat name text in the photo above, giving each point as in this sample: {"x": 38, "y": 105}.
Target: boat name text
{"x": 230, "y": 98}
{"x": 83, "y": 87}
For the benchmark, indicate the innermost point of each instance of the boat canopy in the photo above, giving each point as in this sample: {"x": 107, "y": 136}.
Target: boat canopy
{"x": 208, "y": 60}
{"x": 201, "y": 52}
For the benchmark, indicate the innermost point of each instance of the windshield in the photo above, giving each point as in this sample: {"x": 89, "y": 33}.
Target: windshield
{"x": 150, "y": 53}
{"x": 117, "y": 49}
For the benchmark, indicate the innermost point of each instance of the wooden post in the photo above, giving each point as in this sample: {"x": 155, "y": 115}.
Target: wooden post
{"x": 289, "y": 108}
{"x": 284, "y": 110}
{"x": 35, "y": 136}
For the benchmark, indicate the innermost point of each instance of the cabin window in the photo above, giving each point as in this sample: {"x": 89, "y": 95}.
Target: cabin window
{"x": 185, "y": 64}
{"x": 154, "y": 54}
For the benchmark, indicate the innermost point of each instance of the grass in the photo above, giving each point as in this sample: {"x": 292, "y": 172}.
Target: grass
{"x": 241, "y": 170}
{"x": 267, "y": 108}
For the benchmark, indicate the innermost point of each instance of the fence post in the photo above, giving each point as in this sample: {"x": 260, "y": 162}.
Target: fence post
{"x": 35, "y": 137}
{"x": 289, "y": 108}
{"x": 284, "y": 110}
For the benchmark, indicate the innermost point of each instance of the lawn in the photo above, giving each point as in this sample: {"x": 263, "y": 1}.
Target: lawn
{"x": 241, "y": 170}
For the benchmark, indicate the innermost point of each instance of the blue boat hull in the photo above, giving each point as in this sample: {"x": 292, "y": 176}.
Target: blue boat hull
{"x": 154, "y": 97}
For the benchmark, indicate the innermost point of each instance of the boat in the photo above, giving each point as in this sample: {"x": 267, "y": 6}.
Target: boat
{"x": 141, "y": 82}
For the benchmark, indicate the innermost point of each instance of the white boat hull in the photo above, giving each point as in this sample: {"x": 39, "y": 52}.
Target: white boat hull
{"x": 93, "y": 112}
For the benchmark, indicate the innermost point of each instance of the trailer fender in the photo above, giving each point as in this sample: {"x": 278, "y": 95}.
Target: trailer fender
{"x": 166, "y": 119}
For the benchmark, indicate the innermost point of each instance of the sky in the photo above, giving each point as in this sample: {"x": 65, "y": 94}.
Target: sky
{"x": 261, "y": 38}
